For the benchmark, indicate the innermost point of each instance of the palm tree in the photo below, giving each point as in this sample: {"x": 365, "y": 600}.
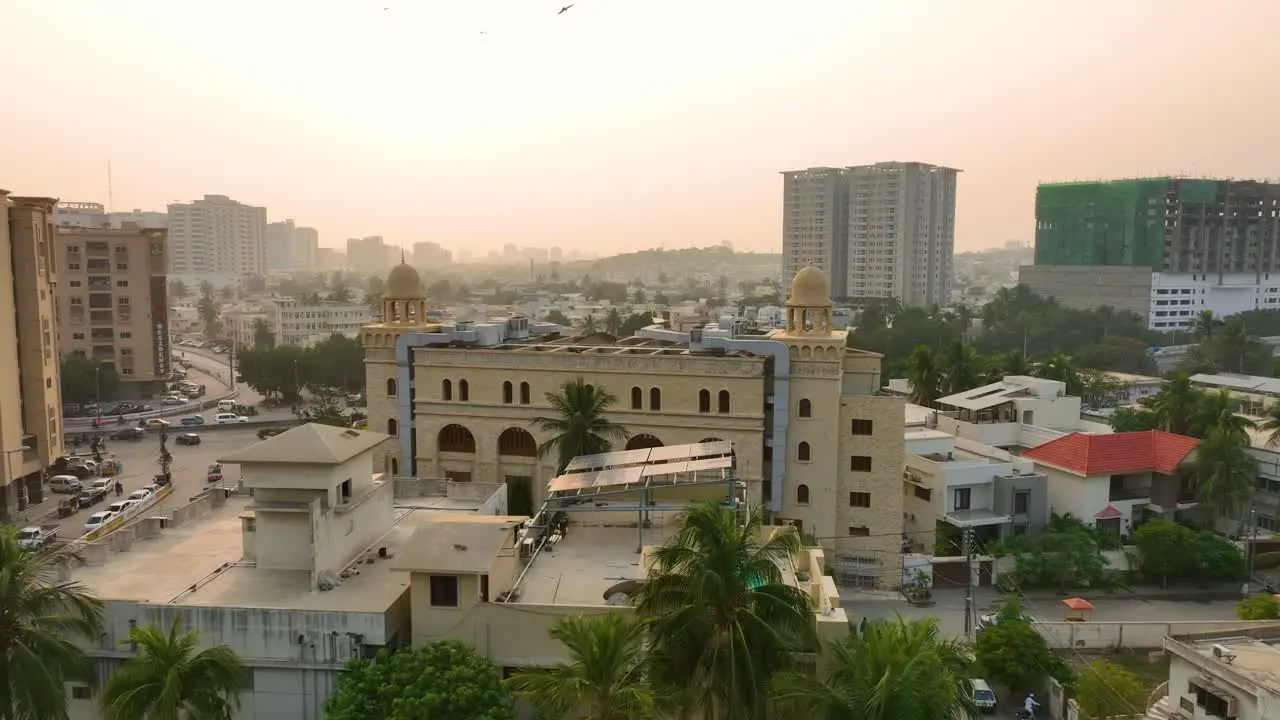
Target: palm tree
{"x": 1271, "y": 422}
{"x": 1235, "y": 340}
{"x": 1222, "y": 470}
{"x": 612, "y": 321}
{"x": 961, "y": 368}
{"x": 1176, "y": 405}
{"x": 1010, "y": 363}
{"x": 579, "y": 426}
{"x": 1061, "y": 368}
{"x": 723, "y": 622}
{"x": 605, "y": 677}
{"x": 170, "y": 680}
{"x": 1218, "y": 410}
{"x": 1204, "y": 324}
{"x": 888, "y": 670}
{"x": 924, "y": 376}
{"x": 588, "y": 324}
{"x": 39, "y": 618}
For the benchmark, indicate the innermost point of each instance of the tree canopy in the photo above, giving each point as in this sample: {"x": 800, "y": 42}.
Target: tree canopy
{"x": 445, "y": 680}
{"x": 1015, "y": 655}
{"x": 85, "y": 380}
{"x": 280, "y": 372}
{"x": 1105, "y": 690}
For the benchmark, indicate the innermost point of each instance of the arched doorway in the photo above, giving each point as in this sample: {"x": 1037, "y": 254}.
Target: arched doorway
{"x": 518, "y": 442}
{"x": 456, "y": 439}
{"x": 642, "y": 441}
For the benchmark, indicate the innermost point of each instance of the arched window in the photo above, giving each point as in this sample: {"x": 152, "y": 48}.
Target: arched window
{"x": 806, "y": 408}
{"x": 507, "y": 392}
{"x": 704, "y": 401}
{"x": 642, "y": 441}
{"x": 637, "y": 398}
{"x": 802, "y": 494}
{"x": 393, "y": 427}
{"x": 655, "y": 399}
{"x": 395, "y": 465}
{"x": 455, "y": 438}
{"x": 391, "y": 387}
{"x": 724, "y": 401}
{"x": 803, "y": 452}
{"x": 446, "y": 389}
{"x": 524, "y": 393}
{"x": 517, "y": 442}
{"x": 464, "y": 391}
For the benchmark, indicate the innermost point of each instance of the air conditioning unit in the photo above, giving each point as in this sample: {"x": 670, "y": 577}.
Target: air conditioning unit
{"x": 1223, "y": 653}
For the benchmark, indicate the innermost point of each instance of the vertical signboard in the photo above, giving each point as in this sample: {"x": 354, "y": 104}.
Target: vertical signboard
{"x": 160, "y": 324}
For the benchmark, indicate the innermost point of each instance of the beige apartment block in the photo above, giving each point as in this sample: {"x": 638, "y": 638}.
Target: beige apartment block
{"x": 30, "y": 392}
{"x": 815, "y": 444}
{"x": 113, "y": 303}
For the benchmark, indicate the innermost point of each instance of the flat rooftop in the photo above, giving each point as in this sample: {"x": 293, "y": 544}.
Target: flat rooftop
{"x": 1257, "y": 659}
{"x": 597, "y": 552}
{"x": 198, "y": 563}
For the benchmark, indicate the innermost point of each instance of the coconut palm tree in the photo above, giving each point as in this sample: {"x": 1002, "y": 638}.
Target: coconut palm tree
{"x": 1009, "y": 363}
{"x": 612, "y": 321}
{"x": 723, "y": 622}
{"x": 1234, "y": 339}
{"x": 40, "y": 616}
{"x": 1176, "y": 405}
{"x": 1222, "y": 470}
{"x": 1271, "y": 422}
{"x": 605, "y": 678}
{"x": 1204, "y": 324}
{"x": 170, "y": 680}
{"x": 579, "y": 426}
{"x": 1061, "y": 368}
{"x": 924, "y": 376}
{"x": 589, "y": 325}
{"x": 1217, "y": 409}
{"x": 961, "y": 368}
{"x": 887, "y": 670}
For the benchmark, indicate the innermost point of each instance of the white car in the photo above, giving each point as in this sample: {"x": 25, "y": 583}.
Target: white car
{"x": 173, "y": 400}
{"x": 142, "y": 494}
{"x": 98, "y": 519}
{"x": 101, "y": 484}
{"x": 121, "y": 506}
{"x": 990, "y": 619}
{"x": 230, "y": 419}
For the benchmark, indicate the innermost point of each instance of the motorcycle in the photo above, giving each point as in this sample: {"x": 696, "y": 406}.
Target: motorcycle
{"x": 1024, "y": 715}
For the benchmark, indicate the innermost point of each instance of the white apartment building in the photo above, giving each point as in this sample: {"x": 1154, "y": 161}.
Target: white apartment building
{"x": 370, "y": 255}
{"x": 430, "y": 255}
{"x": 901, "y": 234}
{"x": 814, "y": 226}
{"x": 293, "y": 322}
{"x": 1231, "y": 675}
{"x": 95, "y": 216}
{"x": 290, "y": 248}
{"x": 217, "y": 240}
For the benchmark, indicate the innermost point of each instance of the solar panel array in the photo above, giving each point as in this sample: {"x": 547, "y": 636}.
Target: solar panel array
{"x": 648, "y": 466}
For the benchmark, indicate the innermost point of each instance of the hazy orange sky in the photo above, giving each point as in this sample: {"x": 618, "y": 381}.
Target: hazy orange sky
{"x": 621, "y": 124}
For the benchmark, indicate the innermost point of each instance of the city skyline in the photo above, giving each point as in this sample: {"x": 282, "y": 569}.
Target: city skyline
{"x": 696, "y": 134}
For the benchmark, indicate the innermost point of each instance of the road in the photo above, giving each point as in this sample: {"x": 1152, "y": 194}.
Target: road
{"x": 188, "y": 470}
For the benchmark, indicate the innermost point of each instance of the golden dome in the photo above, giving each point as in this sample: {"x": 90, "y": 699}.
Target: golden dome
{"x": 810, "y": 289}
{"x": 403, "y": 283}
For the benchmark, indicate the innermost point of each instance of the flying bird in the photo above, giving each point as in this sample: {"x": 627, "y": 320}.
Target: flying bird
{"x": 564, "y": 9}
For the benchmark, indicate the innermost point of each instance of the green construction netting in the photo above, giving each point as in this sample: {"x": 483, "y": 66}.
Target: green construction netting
{"x": 1101, "y": 223}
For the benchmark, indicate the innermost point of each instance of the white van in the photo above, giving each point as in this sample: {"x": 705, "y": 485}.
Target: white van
{"x": 983, "y": 696}
{"x": 226, "y": 405}
{"x": 65, "y": 484}
{"x": 229, "y": 418}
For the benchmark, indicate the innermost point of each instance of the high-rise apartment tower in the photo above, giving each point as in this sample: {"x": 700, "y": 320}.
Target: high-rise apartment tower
{"x": 217, "y": 240}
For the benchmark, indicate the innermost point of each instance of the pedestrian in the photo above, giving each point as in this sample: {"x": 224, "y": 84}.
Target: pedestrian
{"x": 119, "y": 488}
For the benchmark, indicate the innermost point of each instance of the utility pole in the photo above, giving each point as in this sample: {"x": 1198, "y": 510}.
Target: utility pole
{"x": 968, "y": 582}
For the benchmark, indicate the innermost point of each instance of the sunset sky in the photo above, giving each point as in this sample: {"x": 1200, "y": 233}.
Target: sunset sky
{"x": 621, "y": 124}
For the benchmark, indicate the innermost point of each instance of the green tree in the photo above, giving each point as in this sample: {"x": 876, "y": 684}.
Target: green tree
{"x": 1259, "y": 607}
{"x": 559, "y": 318}
{"x": 612, "y": 322}
{"x": 1204, "y": 324}
{"x": 1218, "y": 409}
{"x": 1060, "y": 367}
{"x": 340, "y": 293}
{"x": 208, "y": 310}
{"x": 1164, "y": 549}
{"x": 87, "y": 381}
{"x": 169, "y": 679}
{"x": 889, "y": 670}
{"x": 1106, "y": 690}
{"x": 179, "y": 290}
{"x": 1066, "y": 553}
{"x": 1271, "y": 422}
{"x": 255, "y": 284}
{"x": 1222, "y": 471}
{"x": 1010, "y": 363}
{"x": 961, "y": 368}
{"x": 589, "y": 324}
{"x": 1176, "y": 405}
{"x": 1133, "y": 420}
{"x": 445, "y": 679}
{"x": 640, "y": 297}
{"x": 326, "y": 409}
{"x": 262, "y": 335}
{"x": 873, "y": 317}
{"x": 724, "y": 623}
{"x": 924, "y": 376}
{"x": 579, "y": 425}
{"x": 634, "y": 323}
{"x": 1015, "y": 655}
{"x": 40, "y": 617}
{"x": 605, "y": 678}
{"x": 335, "y": 362}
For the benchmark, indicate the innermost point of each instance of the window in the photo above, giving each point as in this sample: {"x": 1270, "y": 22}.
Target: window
{"x": 723, "y": 401}
{"x": 73, "y": 266}
{"x": 802, "y": 452}
{"x": 861, "y": 427}
{"x": 77, "y": 336}
{"x": 75, "y": 283}
{"x": 524, "y": 393}
{"x": 122, "y": 283}
{"x": 802, "y": 494}
{"x": 1019, "y": 529}
{"x": 1021, "y": 502}
{"x": 126, "y": 335}
{"x": 860, "y": 499}
{"x": 446, "y": 389}
{"x": 924, "y": 493}
{"x": 508, "y": 393}
{"x": 704, "y": 401}
{"x": 655, "y": 399}
{"x": 637, "y": 398}
{"x": 393, "y": 428}
{"x": 464, "y": 391}
{"x": 344, "y": 491}
{"x": 81, "y": 692}
{"x": 859, "y": 531}
{"x": 859, "y": 463}
{"x": 962, "y": 498}
{"x": 122, "y": 266}
{"x": 391, "y": 387}
{"x": 806, "y": 408}
{"x": 444, "y": 591}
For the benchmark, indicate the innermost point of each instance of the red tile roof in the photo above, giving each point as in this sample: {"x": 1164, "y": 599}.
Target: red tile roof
{"x": 1117, "y": 453}
{"x": 1107, "y": 513}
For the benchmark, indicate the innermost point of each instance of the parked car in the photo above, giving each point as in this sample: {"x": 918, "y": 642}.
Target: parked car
{"x": 188, "y": 439}
{"x": 119, "y": 507}
{"x": 192, "y": 420}
{"x": 983, "y": 696}
{"x": 68, "y": 484}
{"x": 155, "y": 424}
{"x": 37, "y": 535}
{"x": 129, "y": 433}
{"x": 98, "y": 519}
{"x": 141, "y": 494}
{"x": 229, "y": 418}
{"x": 990, "y": 619}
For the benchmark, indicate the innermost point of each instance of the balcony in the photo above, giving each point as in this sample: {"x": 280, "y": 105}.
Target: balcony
{"x": 97, "y": 249}
{"x": 99, "y": 283}
{"x": 98, "y": 265}
{"x": 101, "y": 317}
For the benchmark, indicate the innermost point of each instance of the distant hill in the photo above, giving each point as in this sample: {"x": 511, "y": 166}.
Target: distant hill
{"x": 648, "y": 265}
